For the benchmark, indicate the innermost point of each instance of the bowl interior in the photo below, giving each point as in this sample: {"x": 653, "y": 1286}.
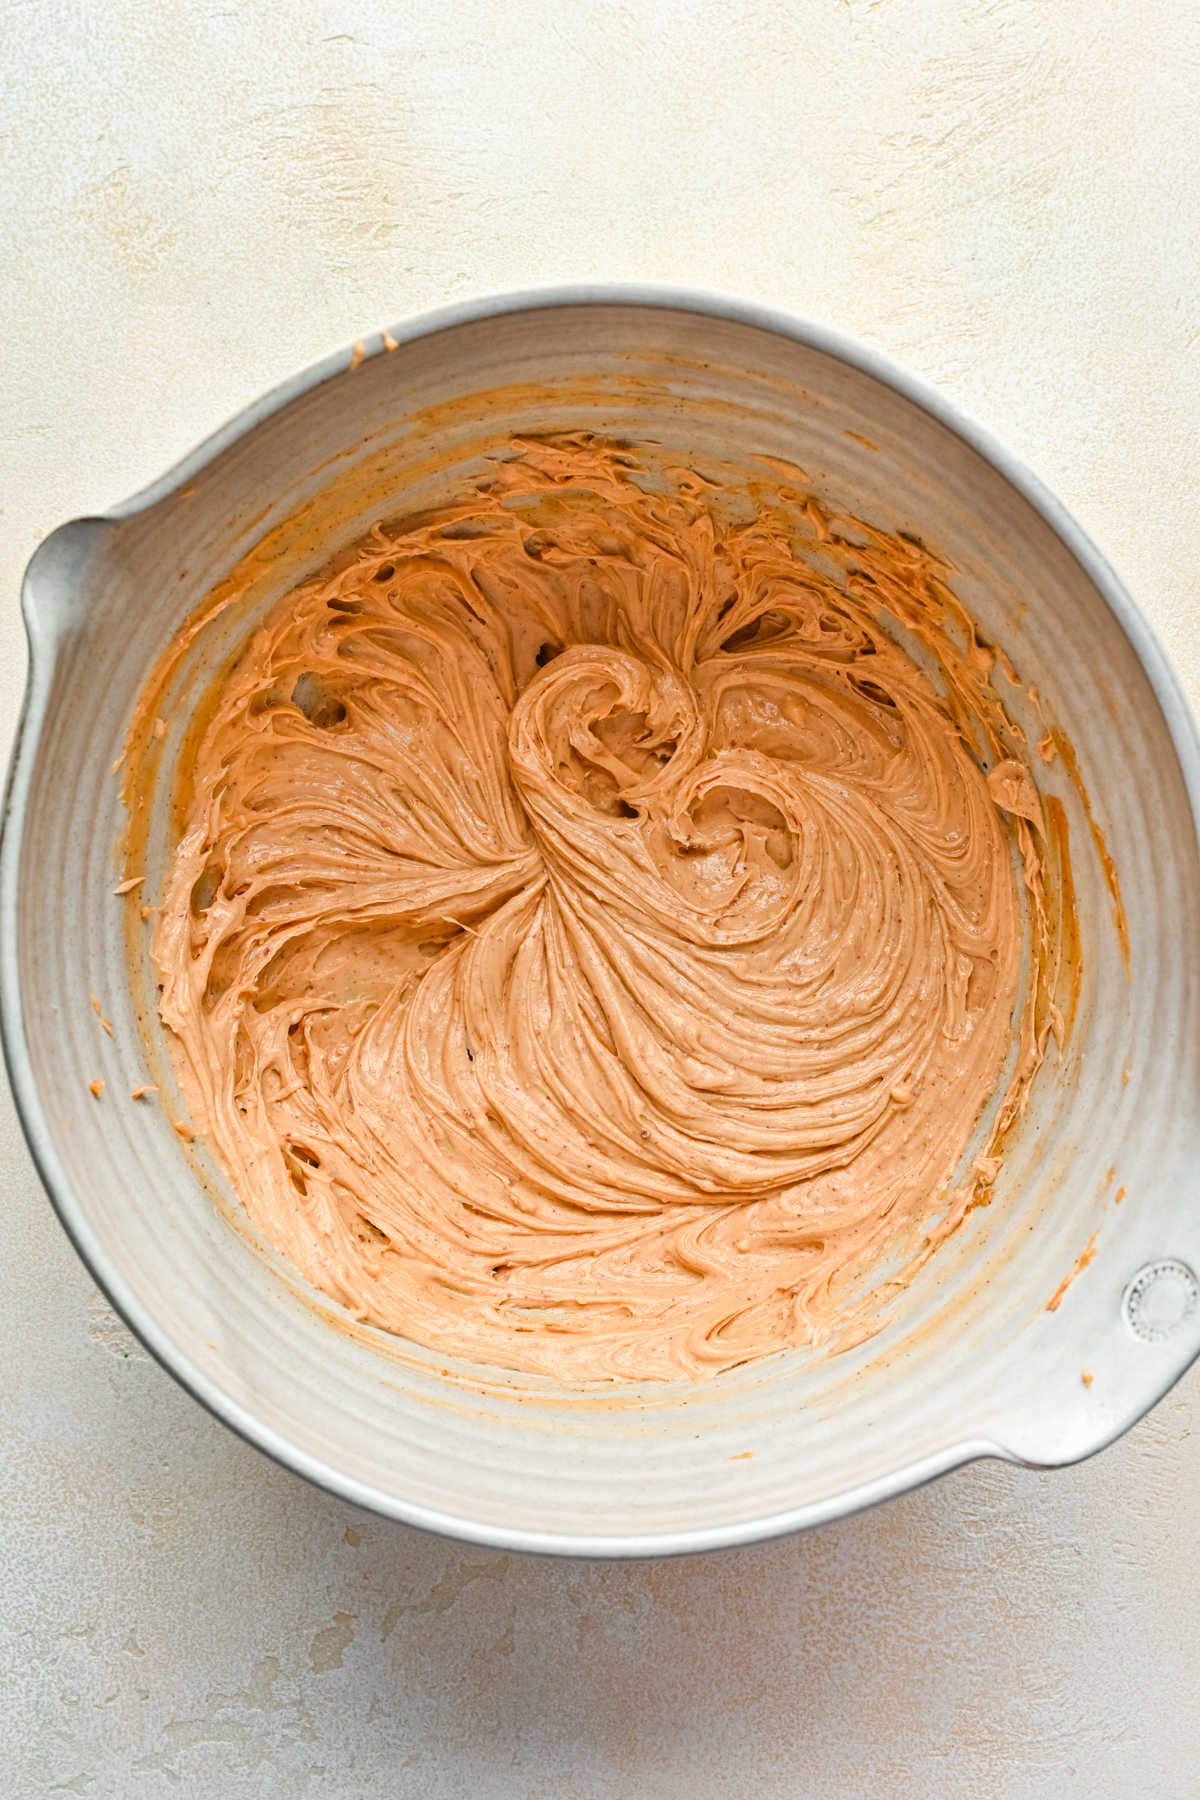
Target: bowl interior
{"x": 972, "y": 1358}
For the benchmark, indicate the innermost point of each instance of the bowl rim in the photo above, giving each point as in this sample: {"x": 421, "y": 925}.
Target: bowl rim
{"x": 707, "y": 302}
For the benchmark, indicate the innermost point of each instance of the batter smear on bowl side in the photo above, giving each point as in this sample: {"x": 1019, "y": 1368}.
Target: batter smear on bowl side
{"x": 598, "y": 926}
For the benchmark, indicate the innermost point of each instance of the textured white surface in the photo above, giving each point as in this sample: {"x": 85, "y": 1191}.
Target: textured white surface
{"x": 197, "y": 199}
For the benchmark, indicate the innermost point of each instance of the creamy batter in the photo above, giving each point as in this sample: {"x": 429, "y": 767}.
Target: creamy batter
{"x": 594, "y": 939}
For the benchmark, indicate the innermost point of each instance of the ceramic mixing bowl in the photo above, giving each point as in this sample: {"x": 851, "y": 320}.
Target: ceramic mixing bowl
{"x": 974, "y": 1361}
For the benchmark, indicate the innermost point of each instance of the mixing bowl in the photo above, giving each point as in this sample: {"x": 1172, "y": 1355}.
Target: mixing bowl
{"x": 986, "y": 1352}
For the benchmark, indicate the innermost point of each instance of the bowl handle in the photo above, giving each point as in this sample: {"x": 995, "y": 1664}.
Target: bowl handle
{"x": 59, "y": 579}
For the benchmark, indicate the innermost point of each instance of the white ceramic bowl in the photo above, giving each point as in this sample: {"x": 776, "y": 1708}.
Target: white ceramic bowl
{"x": 972, "y": 1363}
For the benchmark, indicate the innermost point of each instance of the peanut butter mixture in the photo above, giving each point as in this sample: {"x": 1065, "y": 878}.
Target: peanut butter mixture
{"x": 598, "y": 926}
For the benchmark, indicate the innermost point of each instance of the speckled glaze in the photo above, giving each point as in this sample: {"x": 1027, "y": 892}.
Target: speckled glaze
{"x": 973, "y": 1362}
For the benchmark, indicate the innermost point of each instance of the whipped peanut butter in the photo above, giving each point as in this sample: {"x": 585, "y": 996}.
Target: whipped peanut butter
{"x": 594, "y": 937}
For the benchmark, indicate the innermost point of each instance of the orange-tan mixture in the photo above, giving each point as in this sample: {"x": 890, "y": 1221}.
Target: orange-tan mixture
{"x": 594, "y": 938}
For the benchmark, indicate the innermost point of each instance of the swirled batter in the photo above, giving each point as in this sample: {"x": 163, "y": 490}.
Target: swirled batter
{"x": 594, "y": 937}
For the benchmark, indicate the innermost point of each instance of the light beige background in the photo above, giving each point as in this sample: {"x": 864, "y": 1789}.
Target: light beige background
{"x": 196, "y": 200}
